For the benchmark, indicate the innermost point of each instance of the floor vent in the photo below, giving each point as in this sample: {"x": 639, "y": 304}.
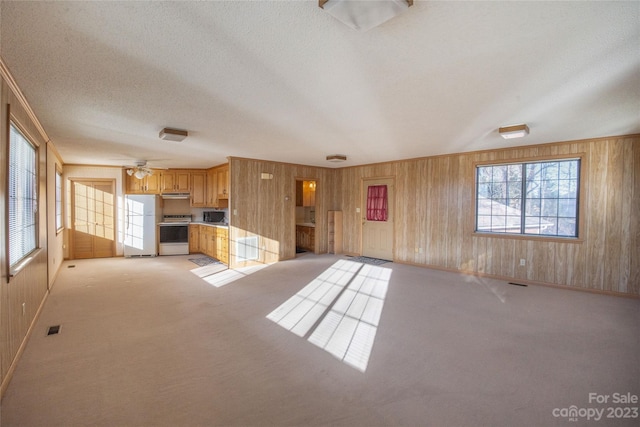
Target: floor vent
{"x": 71, "y": 266}
{"x": 518, "y": 284}
{"x": 53, "y": 330}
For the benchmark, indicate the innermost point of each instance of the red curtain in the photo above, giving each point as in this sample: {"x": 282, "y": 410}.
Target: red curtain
{"x": 377, "y": 203}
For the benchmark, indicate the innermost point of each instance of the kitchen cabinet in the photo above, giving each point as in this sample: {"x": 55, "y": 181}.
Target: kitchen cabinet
{"x": 210, "y": 240}
{"x": 222, "y": 184}
{"x": 199, "y": 189}
{"x": 211, "y": 188}
{"x": 334, "y": 232}
{"x": 148, "y": 185}
{"x": 194, "y": 238}
{"x": 175, "y": 181}
{"x": 222, "y": 245}
{"x": 306, "y": 237}
{"x": 305, "y": 193}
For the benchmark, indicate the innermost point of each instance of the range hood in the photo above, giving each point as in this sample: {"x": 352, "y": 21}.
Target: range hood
{"x": 176, "y": 195}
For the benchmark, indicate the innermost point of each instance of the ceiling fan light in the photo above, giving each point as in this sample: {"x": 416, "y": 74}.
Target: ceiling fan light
{"x": 129, "y": 172}
{"x": 364, "y": 15}
{"x": 140, "y": 174}
{"x": 514, "y": 131}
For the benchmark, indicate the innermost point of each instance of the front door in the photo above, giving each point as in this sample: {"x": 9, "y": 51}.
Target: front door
{"x": 377, "y": 218}
{"x": 93, "y": 219}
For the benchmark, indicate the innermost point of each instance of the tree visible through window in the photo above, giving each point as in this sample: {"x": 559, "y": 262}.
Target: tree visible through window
{"x": 23, "y": 203}
{"x": 538, "y": 198}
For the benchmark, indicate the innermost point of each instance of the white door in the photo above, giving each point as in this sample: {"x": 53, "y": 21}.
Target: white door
{"x": 377, "y": 226}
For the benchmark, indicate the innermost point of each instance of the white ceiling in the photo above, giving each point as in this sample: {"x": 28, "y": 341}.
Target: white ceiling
{"x": 285, "y": 81}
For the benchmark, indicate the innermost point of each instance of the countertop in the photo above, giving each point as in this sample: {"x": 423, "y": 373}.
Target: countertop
{"x": 306, "y": 224}
{"x": 211, "y": 224}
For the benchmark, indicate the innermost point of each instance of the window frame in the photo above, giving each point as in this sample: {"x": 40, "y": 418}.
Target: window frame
{"x": 59, "y": 204}
{"x": 580, "y": 211}
{"x": 18, "y": 265}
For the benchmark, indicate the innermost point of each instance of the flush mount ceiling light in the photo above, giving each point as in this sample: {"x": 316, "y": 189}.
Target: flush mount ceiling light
{"x": 514, "y": 131}
{"x": 169, "y": 134}
{"x": 364, "y": 15}
{"x": 140, "y": 170}
{"x": 336, "y": 158}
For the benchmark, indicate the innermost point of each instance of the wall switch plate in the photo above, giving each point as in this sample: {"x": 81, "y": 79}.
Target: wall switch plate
{"x": 523, "y": 262}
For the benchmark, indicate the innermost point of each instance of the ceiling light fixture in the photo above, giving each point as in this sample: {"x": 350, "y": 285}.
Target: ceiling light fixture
{"x": 336, "y": 158}
{"x": 140, "y": 170}
{"x": 169, "y": 134}
{"x": 514, "y": 131}
{"x": 364, "y": 15}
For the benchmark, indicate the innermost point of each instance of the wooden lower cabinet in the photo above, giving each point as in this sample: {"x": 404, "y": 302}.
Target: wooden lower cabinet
{"x": 306, "y": 237}
{"x": 209, "y": 240}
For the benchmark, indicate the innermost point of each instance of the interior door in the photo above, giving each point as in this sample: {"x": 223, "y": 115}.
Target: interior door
{"x": 377, "y": 227}
{"x": 93, "y": 219}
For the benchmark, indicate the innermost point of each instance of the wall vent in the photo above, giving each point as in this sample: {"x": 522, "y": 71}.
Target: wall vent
{"x": 247, "y": 248}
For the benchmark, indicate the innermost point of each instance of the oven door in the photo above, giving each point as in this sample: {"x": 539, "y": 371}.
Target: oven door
{"x": 174, "y": 239}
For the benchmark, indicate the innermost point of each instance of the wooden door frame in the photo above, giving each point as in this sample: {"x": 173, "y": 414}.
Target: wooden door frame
{"x": 72, "y": 198}
{"x": 363, "y": 210}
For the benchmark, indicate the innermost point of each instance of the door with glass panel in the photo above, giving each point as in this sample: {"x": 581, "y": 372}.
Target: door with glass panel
{"x": 93, "y": 232}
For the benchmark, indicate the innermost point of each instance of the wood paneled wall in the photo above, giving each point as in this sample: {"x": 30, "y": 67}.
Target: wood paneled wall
{"x": 434, "y": 224}
{"x": 22, "y": 296}
{"x": 266, "y": 207}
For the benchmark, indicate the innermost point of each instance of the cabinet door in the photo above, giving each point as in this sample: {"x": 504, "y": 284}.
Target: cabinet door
{"x": 152, "y": 184}
{"x": 167, "y": 181}
{"x": 198, "y": 189}
{"x": 133, "y": 185}
{"x": 182, "y": 181}
{"x": 223, "y": 183}
{"x": 211, "y": 188}
{"x": 194, "y": 238}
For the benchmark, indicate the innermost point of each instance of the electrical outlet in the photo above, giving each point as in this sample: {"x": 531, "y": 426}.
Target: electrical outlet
{"x": 523, "y": 262}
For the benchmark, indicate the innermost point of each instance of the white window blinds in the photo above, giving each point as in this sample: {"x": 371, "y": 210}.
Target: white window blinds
{"x": 23, "y": 203}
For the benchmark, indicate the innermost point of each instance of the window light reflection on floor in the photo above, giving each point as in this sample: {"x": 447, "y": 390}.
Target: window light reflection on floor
{"x": 346, "y": 300}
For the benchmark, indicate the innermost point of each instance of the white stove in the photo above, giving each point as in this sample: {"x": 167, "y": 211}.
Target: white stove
{"x": 174, "y": 235}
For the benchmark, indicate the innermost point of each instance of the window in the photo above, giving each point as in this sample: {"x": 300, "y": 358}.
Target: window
{"x": 533, "y": 198}
{"x": 23, "y": 197}
{"x": 58, "y": 200}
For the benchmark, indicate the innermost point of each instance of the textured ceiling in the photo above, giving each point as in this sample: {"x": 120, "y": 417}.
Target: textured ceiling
{"x": 285, "y": 81}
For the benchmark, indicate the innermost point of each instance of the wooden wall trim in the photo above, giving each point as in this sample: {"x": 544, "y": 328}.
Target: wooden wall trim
{"x": 13, "y": 85}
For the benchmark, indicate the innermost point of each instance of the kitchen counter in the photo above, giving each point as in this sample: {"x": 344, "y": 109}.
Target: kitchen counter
{"x": 306, "y": 224}
{"x": 210, "y": 224}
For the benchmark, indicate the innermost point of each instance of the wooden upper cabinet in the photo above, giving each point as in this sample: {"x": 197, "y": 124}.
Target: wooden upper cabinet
{"x": 212, "y": 188}
{"x": 176, "y": 180}
{"x": 199, "y": 189}
{"x": 147, "y": 185}
{"x": 223, "y": 182}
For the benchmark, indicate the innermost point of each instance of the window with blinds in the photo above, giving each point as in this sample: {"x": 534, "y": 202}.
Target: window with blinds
{"x": 23, "y": 196}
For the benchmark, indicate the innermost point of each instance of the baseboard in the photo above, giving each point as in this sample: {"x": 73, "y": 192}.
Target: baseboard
{"x": 7, "y": 379}
{"x": 523, "y": 281}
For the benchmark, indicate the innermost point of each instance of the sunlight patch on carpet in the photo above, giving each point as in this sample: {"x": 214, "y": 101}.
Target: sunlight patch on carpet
{"x": 344, "y": 304}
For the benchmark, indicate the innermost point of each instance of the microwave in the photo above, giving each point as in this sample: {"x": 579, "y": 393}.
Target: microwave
{"x": 213, "y": 216}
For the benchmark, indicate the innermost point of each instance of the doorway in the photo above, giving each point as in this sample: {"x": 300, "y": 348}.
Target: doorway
{"x": 93, "y": 233}
{"x": 377, "y": 218}
{"x": 305, "y": 215}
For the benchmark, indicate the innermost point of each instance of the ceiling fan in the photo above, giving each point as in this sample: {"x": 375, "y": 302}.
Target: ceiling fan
{"x": 140, "y": 170}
